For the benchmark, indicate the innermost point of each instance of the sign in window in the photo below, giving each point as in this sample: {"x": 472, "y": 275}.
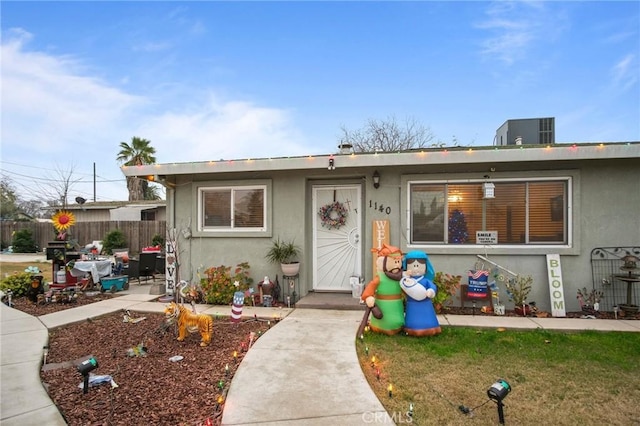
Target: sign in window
{"x": 486, "y": 237}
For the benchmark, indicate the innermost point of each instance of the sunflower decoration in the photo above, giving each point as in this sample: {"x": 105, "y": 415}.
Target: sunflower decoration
{"x": 63, "y": 220}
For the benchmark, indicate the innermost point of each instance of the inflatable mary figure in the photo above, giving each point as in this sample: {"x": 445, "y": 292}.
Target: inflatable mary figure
{"x": 417, "y": 284}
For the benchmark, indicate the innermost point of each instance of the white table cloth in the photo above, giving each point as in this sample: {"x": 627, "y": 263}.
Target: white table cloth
{"x": 97, "y": 268}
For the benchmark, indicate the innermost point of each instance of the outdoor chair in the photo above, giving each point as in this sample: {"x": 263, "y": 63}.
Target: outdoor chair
{"x": 121, "y": 253}
{"x": 132, "y": 269}
{"x": 147, "y": 265}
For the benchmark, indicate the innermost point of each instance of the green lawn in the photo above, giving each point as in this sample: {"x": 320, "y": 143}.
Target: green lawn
{"x": 576, "y": 378}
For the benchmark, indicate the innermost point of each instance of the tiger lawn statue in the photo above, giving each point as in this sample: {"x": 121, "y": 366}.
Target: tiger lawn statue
{"x": 188, "y": 321}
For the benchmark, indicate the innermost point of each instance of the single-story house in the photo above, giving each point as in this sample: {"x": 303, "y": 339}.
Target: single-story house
{"x": 104, "y": 211}
{"x": 511, "y": 205}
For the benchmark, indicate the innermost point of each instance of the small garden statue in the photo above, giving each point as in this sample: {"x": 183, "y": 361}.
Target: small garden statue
{"x": 384, "y": 291}
{"x": 189, "y": 322}
{"x": 36, "y": 287}
{"x": 417, "y": 283}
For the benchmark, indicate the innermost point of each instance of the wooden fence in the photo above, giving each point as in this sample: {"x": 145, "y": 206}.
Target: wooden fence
{"x": 137, "y": 234}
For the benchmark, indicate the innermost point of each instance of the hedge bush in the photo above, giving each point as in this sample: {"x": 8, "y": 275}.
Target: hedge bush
{"x": 113, "y": 240}
{"x": 218, "y": 285}
{"x": 17, "y": 283}
{"x": 158, "y": 240}
{"x": 23, "y": 242}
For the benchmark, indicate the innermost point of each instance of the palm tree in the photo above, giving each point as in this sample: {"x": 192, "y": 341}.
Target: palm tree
{"x": 137, "y": 153}
{"x": 152, "y": 192}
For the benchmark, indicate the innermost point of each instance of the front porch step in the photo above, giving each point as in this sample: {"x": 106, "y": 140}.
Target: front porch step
{"x": 335, "y": 301}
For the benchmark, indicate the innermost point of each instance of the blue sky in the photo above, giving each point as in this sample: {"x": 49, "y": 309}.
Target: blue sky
{"x": 230, "y": 80}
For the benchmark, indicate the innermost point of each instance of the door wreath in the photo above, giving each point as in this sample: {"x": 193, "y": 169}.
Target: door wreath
{"x": 333, "y": 215}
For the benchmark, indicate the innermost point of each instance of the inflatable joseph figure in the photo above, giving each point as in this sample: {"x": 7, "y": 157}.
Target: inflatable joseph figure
{"x": 385, "y": 292}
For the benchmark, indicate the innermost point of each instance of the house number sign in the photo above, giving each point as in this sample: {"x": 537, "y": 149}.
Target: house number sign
{"x": 381, "y": 208}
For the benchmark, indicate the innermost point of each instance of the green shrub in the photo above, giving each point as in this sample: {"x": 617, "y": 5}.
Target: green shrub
{"x": 17, "y": 283}
{"x": 218, "y": 283}
{"x": 448, "y": 286}
{"x": 113, "y": 240}
{"x": 23, "y": 242}
{"x": 157, "y": 240}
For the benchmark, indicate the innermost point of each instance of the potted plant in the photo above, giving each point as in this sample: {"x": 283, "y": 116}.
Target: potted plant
{"x": 285, "y": 253}
{"x": 448, "y": 286}
{"x": 518, "y": 290}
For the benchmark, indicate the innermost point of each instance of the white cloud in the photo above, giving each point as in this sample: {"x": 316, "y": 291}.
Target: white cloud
{"x": 198, "y": 28}
{"x": 625, "y": 72}
{"x": 152, "y": 47}
{"x": 223, "y": 130}
{"x": 514, "y": 27}
{"x": 619, "y": 37}
{"x": 49, "y": 104}
{"x": 54, "y": 110}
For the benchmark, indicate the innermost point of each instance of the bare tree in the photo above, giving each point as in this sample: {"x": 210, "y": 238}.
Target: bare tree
{"x": 8, "y": 198}
{"x": 57, "y": 185}
{"x": 34, "y": 208}
{"x": 388, "y": 135}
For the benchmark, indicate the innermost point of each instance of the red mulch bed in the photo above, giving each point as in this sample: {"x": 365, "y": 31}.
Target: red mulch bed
{"x": 25, "y": 305}
{"x": 456, "y": 310}
{"x": 150, "y": 389}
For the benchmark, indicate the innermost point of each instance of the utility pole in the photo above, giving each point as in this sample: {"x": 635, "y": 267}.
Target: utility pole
{"x": 94, "y": 181}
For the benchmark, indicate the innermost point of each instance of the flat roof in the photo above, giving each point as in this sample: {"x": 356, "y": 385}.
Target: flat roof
{"x": 109, "y": 205}
{"x": 424, "y": 156}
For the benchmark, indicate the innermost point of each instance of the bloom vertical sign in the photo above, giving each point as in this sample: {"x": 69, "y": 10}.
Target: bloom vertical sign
{"x": 380, "y": 234}
{"x": 556, "y": 287}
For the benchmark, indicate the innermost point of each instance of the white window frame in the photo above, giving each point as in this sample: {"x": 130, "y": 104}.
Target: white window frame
{"x": 212, "y": 230}
{"x": 570, "y": 210}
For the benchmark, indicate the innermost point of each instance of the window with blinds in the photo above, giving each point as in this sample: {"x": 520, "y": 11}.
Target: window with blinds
{"x": 233, "y": 208}
{"x": 521, "y": 212}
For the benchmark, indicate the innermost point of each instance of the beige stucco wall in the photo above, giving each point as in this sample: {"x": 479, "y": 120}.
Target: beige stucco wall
{"x": 606, "y": 201}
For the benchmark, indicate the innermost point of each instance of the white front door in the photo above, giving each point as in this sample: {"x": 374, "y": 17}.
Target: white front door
{"x": 337, "y": 239}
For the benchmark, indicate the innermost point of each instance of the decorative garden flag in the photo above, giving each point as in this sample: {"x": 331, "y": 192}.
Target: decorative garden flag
{"x": 478, "y": 284}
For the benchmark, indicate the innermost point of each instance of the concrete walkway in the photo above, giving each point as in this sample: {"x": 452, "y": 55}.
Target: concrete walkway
{"x": 304, "y": 371}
